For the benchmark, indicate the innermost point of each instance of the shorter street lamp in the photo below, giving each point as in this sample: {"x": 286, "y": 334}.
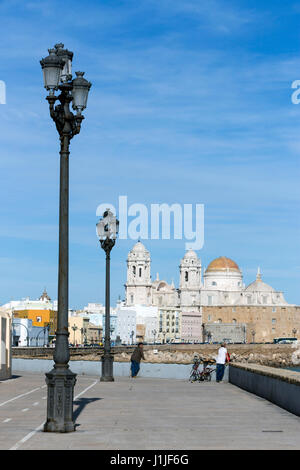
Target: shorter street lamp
{"x": 74, "y": 328}
{"x": 42, "y": 331}
{"x": 131, "y": 336}
{"x": 83, "y": 334}
{"x": 154, "y": 335}
{"x": 107, "y": 231}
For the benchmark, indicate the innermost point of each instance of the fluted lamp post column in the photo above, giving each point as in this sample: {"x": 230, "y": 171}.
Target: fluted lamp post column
{"x": 57, "y": 71}
{"x": 107, "y": 230}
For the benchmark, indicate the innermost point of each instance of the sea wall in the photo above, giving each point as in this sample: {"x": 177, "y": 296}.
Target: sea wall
{"x": 276, "y": 355}
{"x": 281, "y": 387}
{"x": 121, "y": 369}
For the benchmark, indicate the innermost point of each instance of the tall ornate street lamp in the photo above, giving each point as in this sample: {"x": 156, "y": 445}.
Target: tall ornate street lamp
{"x": 107, "y": 230}
{"x": 57, "y": 71}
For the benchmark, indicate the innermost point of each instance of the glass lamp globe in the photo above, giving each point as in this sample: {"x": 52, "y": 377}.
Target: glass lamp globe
{"x": 80, "y": 91}
{"x": 52, "y": 66}
{"x": 108, "y": 227}
{"x": 66, "y": 56}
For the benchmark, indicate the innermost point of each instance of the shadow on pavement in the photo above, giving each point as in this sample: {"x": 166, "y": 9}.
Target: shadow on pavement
{"x": 10, "y": 378}
{"x": 82, "y": 403}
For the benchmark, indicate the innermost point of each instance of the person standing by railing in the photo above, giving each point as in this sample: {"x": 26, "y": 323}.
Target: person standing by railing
{"x": 221, "y": 360}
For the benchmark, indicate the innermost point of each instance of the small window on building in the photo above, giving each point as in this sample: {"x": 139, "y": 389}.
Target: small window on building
{"x": 133, "y": 270}
{"x": 214, "y": 283}
{"x": 208, "y": 317}
{"x": 274, "y": 309}
{"x": 131, "y": 299}
{"x": 273, "y": 320}
{"x": 209, "y": 299}
{"x": 186, "y": 276}
{"x": 234, "y": 320}
{"x": 140, "y": 272}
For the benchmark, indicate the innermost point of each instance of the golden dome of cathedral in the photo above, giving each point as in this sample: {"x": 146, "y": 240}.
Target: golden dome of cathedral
{"x": 222, "y": 264}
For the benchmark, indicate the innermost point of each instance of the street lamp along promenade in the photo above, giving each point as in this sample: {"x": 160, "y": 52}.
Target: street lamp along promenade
{"x": 57, "y": 72}
{"x": 107, "y": 230}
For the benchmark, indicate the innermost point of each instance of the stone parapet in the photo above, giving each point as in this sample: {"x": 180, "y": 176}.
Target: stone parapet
{"x": 285, "y": 375}
{"x": 281, "y": 387}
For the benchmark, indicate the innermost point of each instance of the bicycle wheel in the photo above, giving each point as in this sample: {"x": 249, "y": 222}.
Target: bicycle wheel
{"x": 192, "y": 377}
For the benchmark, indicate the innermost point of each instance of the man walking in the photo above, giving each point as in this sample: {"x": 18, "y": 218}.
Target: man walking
{"x": 221, "y": 361}
{"x": 136, "y": 357}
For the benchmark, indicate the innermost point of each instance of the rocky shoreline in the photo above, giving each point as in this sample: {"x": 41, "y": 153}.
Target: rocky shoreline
{"x": 273, "y": 355}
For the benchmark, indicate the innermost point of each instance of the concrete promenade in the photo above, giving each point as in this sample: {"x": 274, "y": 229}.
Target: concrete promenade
{"x": 145, "y": 413}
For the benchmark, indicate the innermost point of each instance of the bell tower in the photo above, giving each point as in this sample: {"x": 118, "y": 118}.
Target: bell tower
{"x": 190, "y": 281}
{"x": 138, "y": 285}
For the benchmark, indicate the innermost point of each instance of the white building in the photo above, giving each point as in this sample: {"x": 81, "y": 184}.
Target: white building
{"x": 43, "y": 303}
{"x": 126, "y": 324}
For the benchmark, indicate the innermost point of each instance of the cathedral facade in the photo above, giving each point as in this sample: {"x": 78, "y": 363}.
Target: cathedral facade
{"x": 214, "y": 298}
{"x": 221, "y": 284}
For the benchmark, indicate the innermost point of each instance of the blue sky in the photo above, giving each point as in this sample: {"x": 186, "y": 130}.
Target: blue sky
{"x": 190, "y": 103}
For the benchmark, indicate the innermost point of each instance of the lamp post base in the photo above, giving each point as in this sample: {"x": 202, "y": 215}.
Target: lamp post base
{"x": 60, "y": 382}
{"x": 107, "y": 368}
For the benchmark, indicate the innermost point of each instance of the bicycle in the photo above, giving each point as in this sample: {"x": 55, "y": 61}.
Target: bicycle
{"x": 195, "y": 373}
{"x": 204, "y": 375}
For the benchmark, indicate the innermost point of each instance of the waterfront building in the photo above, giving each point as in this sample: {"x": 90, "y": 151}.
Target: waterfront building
{"x": 42, "y": 312}
{"x": 191, "y": 327}
{"x": 83, "y": 331}
{"x": 169, "y": 325}
{"x": 24, "y": 333}
{"x": 126, "y": 324}
{"x": 218, "y": 295}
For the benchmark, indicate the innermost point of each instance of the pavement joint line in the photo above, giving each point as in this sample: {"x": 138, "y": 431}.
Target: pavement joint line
{"x": 40, "y": 427}
{"x": 22, "y": 395}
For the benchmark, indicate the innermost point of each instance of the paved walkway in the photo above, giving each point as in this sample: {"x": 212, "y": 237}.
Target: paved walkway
{"x": 145, "y": 413}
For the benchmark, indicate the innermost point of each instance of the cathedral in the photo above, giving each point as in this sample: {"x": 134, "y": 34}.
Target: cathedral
{"x": 221, "y": 284}
{"x": 210, "y": 304}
